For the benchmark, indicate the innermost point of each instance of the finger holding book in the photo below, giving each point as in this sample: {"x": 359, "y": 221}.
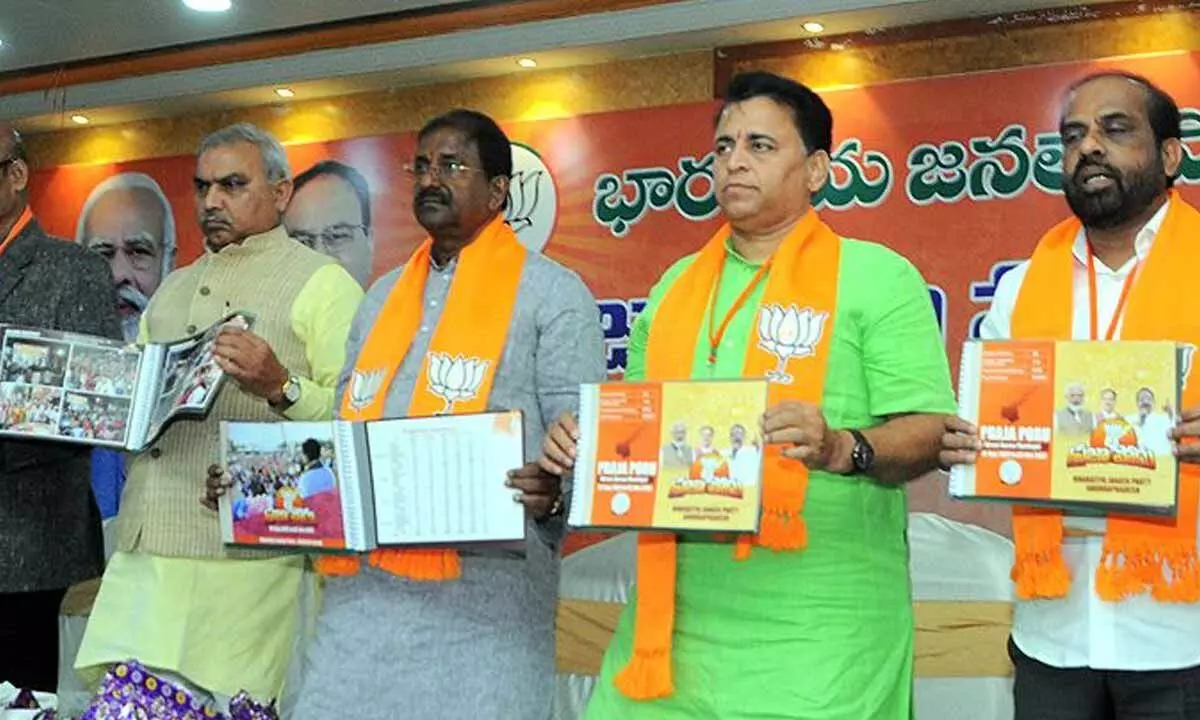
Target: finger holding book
{"x": 538, "y": 490}
{"x": 1185, "y": 435}
{"x": 248, "y": 359}
{"x": 216, "y": 485}
{"x": 960, "y": 443}
{"x": 560, "y": 446}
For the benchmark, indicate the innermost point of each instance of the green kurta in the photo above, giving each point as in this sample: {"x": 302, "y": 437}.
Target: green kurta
{"x": 825, "y": 633}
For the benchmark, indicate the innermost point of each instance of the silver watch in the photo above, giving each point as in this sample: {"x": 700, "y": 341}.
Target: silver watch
{"x": 291, "y": 392}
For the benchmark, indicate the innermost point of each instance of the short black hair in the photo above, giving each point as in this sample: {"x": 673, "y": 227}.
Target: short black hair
{"x": 353, "y": 178}
{"x": 495, "y": 150}
{"x": 813, "y": 119}
{"x": 311, "y": 449}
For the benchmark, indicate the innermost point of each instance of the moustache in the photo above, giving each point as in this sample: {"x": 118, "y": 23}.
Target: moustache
{"x": 1093, "y": 165}
{"x": 214, "y": 218}
{"x": 432, "y": 194}
{"x": 130, "y": 295}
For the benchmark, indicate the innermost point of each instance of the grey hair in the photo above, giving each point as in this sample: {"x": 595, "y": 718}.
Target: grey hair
{"x": 274, "y": 158}
{"x": 133, "y": 181}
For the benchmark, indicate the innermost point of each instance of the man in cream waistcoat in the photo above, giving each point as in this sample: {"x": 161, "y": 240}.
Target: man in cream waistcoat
{"x": 173, "y": 599}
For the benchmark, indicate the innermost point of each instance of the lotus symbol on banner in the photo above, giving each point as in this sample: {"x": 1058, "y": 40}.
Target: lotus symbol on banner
{"x": 363, "y": 387}
{"x": 523, "y": 194}
{"x": 789, "y": 333}
{"x": 455, "y": 378}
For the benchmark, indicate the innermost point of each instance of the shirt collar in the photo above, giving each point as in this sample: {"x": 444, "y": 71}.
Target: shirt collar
{"x": 251, "y": 244}
{"x": 1141, "y": 242}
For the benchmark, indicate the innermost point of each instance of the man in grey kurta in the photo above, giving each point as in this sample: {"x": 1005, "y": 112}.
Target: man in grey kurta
{"x": 482, "y": 645}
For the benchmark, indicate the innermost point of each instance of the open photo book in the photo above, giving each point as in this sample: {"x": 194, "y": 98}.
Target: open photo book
{"x": 95, "y": 391}
{"x": 356, "y": 486}
{"x": 1076, "y": 425}
{"x": 670, "y": 456}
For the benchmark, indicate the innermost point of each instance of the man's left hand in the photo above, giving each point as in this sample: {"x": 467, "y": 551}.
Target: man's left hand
{"x": 250, "y": 361}
{"x": 1185, "y": 434}
{"x": 539, "y": 491}
{"x": 802, "y": 426}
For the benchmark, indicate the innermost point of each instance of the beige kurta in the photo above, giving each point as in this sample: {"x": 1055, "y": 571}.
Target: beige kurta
{"x": 172, "y": 597}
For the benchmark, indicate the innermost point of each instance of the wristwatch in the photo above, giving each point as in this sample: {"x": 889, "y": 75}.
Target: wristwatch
{"x": 862, "y": 457}
{"x": 290, "y": 394}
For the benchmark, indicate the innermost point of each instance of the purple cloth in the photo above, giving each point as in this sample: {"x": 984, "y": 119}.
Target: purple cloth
{"x": 131, "y": 692}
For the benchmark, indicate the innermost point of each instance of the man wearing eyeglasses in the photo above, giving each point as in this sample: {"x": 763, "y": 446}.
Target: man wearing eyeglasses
{"x": 330, "y": 212}
{"x": 438, "y": 633}
{"x": 49, "y": 525}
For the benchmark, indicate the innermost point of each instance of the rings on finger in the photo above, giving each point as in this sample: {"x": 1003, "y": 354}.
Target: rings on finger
{"x": 556, "y": 509}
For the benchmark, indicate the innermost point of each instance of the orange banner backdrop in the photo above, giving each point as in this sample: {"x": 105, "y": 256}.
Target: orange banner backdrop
{"x": 960, "y": 174}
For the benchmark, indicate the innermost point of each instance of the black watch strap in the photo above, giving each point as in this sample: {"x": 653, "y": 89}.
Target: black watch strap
{"x": 862, "y": 457}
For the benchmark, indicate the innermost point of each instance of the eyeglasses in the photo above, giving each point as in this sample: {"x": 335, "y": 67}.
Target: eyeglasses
{"x": 334, "y": 237}
{"x": 444, "y": 169}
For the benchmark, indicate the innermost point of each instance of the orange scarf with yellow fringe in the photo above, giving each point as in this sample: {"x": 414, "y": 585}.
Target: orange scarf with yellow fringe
{"x": 457, "y": 371}
{"x": 1140, "y": 554}
{"x": 795, "y": 323}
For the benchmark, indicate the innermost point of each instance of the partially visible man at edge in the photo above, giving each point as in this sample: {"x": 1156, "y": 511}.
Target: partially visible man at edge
{"x": 1108, "y": 609}
{"x": 128, "y": 221}
{"x": 49, "y": 524}
{"x": 813, "y": 617}
{"x": 442, "y": 634}
{"x": 173, "y": 598}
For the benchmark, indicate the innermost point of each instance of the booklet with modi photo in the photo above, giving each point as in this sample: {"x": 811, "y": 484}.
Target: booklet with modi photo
{"x": 95, "y": 391}
{"x": 681, "y": 455}
{"x": 1076, "y": 425}
{"x": 355, "y": 486}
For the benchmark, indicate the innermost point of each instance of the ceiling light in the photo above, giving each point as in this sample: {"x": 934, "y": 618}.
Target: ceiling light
{"x": 80, "y": 119}
{"x": 285, "y": 92}
{"x": 527, "y": 63}
{"x": 813, "y": 26}
{"x": 209, "y": 5}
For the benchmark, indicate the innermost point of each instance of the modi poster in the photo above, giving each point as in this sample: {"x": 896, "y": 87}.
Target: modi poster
{"x": 959, "y": 174}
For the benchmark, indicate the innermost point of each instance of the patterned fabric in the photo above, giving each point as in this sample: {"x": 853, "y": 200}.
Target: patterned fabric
{"x": 131, "y": 692}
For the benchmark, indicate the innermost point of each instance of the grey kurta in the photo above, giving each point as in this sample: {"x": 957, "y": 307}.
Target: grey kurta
{"x": 481, "y": 646}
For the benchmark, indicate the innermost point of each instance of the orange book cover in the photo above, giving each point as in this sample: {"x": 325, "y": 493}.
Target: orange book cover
{"x": 1071, "y": 424}
{"x": 670, "y": 456}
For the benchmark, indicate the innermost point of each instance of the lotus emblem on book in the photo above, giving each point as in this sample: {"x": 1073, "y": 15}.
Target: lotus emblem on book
{"x": 455, "y": 378}
{"x": 363, "y": 388}
{"x": 789, "y": 333}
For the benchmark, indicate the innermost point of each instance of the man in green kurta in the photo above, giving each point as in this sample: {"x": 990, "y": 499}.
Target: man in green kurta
{"x": 815, "y": 621}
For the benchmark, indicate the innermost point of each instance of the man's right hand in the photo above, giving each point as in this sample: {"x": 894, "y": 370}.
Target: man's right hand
{"x": 215, "y": 485}
{"x": 559, "y": 446}
{"x": 960, "y": 443}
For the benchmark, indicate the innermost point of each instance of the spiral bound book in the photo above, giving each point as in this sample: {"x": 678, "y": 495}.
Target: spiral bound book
{"x": 1076, "y": 425}
{"x": 670, "y": 456}
{"x": 354, "y": 486}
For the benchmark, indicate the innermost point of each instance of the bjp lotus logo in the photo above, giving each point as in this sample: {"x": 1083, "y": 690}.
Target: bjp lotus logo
{"x": 789, "y": 333}
{"x": 455, "y": 378}
{"x": 363, "y": 388}
{"x": 532, "y": 199}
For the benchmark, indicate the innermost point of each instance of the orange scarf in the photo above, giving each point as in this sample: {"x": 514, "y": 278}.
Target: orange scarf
{"x": 793, "y": 331}
{"x": 1140, "y": 553}
{"x": 456, "y": 374}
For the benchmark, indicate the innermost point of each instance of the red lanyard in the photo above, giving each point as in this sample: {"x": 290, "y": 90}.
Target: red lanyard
{"x": 25, "y": 219}
{"x": 715, "y": 335}
{"x": 1119, "y": 310}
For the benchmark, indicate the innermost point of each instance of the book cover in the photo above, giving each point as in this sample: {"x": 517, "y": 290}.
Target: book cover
{"x": 286, "y": 489}
{"x": 671, "y": 456}
{"x": 1078, "y": 425}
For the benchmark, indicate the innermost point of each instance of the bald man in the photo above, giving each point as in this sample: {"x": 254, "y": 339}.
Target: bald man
{"x": 127, "y": 220}
{"x": 49, "y": 525}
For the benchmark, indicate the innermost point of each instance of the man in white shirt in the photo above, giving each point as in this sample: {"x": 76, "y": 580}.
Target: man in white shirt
{"x": 1078, "y": 656}
{"x": 1153, "y": 427}
{"x": 1108, "y": 396}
